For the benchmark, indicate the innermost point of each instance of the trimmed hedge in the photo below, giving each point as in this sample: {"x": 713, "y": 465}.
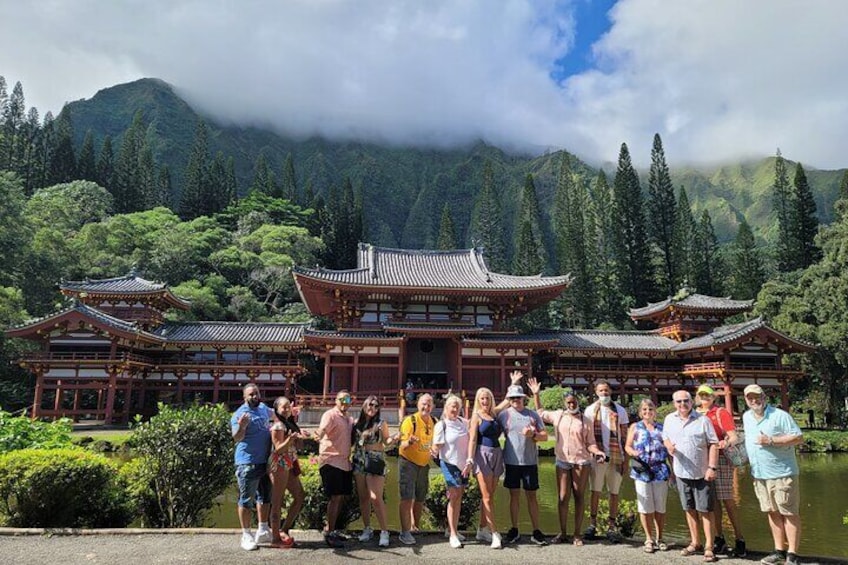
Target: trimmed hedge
{"x": 437, "y": 503}
{"x": 314, "y": 513}
{"x": 61, "y": 488}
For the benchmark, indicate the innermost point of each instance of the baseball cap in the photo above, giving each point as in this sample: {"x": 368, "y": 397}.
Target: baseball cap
{"x": 753, "y": 389}
{"x": 515, "y": 391}
{"x": 706, "y": 389}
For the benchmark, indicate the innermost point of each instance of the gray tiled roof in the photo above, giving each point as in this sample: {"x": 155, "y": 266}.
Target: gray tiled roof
{"x": 455, "y": 328}
{"x": 722, "y": 334}
{"x": 461, "y": 269}
{"x": 232, "y": 332}
{"x": 350, "y": 334}
{"x": 94, "y": 314}
{"x": 695, "y": 302}
{"x": 126, "y": 283}
{"x": 598, "y": 339}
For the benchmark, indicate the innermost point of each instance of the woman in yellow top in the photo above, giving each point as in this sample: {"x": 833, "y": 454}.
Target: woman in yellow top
{"x": 416, "y": 435}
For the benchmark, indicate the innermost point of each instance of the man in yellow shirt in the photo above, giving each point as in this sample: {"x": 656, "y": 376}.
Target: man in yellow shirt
{"x": 416, "y": 433}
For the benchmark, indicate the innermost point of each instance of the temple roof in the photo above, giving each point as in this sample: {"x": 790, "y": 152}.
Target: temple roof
{"x": 727, "y": 334}
{"x": 127, "y": 284}
{"x": 460, "y": 269}
{"x": 95, "y": 317}
{"x": 612, "y": 340}
{"x": 695, "y": 303}
{"x": 232, "y": 332}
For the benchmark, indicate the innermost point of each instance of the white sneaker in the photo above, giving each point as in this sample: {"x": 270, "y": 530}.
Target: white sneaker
{"x": 384, "y": 539}
{"x": 496, "y": 541}
{"x": 407, "y": 538}
{"x": 247, "y": 542}
{"x": 484, "y": 534}
{"x": 455, "y": 543}
{"x": 458, "y": 535}
{"x": 263, "y": 535}
{"x": 366, "y": 534}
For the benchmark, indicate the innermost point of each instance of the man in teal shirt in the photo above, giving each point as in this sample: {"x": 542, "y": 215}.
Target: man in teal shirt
{"x": 771, "y": 435}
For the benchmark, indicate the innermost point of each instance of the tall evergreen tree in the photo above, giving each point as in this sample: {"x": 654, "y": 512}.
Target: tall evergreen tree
{"x": 87, "y": 163}
{"x": 33, "y": 163}
{"x": 127, "y": 185}
{"x": 195, "y": 177}
{"x": 106, "y": 165}
{"x": 709, "y": 269}
{"x": 263, "y": 177}
{"x": 663, "y": 210}
{"x": 610, "y": 297}
{"x": 63, "y": 162}
{"x": 447, "y": 232}
{"x": 231, "y": 186}
{"x": 148, "y": 187}
{"x": 529, "y": 213}
{"x": 164, "y": 189}
{"x": 783, "y": 205}
{"x": 289, "y": 178}
{"x": 487, "y": 222}
{"x": 747, "y": 273}
{"x": 46, "y": 149}
{"x": 14, "y": 116}
{"x": 805, "y": 223}
{"x": 842, "y": 202}
{"x": 631, "y": 241}
{"x": 685, "y": 229}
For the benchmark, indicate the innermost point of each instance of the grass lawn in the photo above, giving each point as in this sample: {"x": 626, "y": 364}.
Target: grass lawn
{"x": 115, "y": 437}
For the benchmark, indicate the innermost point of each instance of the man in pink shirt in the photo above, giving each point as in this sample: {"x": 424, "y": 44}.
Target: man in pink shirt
{"x": 334, "y": 437}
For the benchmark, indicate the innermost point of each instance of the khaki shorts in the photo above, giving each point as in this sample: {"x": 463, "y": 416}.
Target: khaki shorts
{"x": 779, "y": 495}
{"x": 413, "y": 480}
{"x": 605, "y": 473}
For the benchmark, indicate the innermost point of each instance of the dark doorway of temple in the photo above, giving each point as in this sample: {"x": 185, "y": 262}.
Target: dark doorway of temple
{"x": 427, "y": 364}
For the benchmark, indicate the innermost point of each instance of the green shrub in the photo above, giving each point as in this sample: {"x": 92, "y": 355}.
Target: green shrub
{"x": 314, "y": 513}
{"x": 551, "y": 397}
{"x": 664, "y": 410}
{"x": 185, "y": 460}
{"x": 20, "y": 432}
{"x": 820, "y": 441}
{"x": 437, "y": 503}
{"x": 628, "y": 516}
{"x": 61, "y": 488}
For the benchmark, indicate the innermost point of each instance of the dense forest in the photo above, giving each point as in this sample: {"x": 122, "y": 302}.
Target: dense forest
{"x": 136, "y": 179}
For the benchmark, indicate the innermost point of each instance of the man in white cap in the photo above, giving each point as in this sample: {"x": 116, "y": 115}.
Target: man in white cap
{"x": 725, "y": 429}
{"x": 523, "y": 428}
{"x": 771, "y": 435}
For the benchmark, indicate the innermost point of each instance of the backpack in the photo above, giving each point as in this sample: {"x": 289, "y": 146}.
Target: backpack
{"x": 414, "y": 420}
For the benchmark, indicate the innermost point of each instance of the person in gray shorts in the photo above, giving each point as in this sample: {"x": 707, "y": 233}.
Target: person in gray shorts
{"x": 692, "y": 442}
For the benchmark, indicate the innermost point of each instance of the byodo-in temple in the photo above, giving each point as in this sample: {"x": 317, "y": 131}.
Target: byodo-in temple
{"x": 431, "y": 320}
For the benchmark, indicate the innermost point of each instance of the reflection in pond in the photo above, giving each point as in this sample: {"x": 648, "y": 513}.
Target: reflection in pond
{"x": 824, "y": 500}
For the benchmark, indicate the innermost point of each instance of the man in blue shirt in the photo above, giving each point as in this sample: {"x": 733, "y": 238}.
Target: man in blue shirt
{"x": 249, "y": 425}
{"x": 771, "y": 435}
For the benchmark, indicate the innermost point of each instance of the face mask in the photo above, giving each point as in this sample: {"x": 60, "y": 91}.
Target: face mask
{"x": 573, "y": 410}
{"x": 253, "y": 403}
{"x": 605, "y": 400}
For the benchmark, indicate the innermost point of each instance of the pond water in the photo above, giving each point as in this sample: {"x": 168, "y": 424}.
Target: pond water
{"x": 824, "y": 500}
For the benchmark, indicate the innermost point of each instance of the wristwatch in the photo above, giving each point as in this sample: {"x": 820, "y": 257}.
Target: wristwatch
{"x": 469, "y": 461}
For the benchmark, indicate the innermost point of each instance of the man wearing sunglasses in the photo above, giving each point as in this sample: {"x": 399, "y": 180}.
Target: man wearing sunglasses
{"x": 334, "y": 437}
{"x": 692, "y": 442}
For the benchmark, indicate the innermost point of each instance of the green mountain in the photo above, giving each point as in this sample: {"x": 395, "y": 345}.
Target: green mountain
{"x": 403, "y": 189}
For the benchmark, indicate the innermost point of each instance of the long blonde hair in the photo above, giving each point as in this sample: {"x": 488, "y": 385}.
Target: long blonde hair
{"x": 483, "y": 391}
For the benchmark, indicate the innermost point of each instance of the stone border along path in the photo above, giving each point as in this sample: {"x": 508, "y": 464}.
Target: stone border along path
{"x": 40, "y": 546}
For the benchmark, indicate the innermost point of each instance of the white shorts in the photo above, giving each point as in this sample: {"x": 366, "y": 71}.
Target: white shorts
{"x": 605, "y": 473}
{"x": 651, "y": 497}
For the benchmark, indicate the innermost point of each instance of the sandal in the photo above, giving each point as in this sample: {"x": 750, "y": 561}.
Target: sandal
{"x": 649, "y": 546}
{"x": 559, "y": 538}
{"x": 662, "y": 546}
{"x": 578, "y": 541}
{"x": 709, "y": 556}
{"x": 691, "y": 550}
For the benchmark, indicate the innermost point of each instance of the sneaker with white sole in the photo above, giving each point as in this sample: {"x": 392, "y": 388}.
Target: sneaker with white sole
{"x": 538, "y": 538}
{"x": 455, "y": 543}
{"x": 459, "y": 535}
{"x": 512, "y": 536}
{"x": 484, "y": 534}
{"x": 247, "y": 542}
{"x": 263, "y": 535}
{"x": 496, "y": 541}
{"x": 384, "y": 539}
{"x": 406, "y": 538}
{"x": 367, "y": 534}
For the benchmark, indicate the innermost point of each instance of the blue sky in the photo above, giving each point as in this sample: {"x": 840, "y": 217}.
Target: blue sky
{"x": 719, "y": 80}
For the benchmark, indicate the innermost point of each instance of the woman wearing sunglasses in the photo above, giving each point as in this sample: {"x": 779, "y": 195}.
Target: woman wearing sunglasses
{"x": 574, "y": 449}
{"x": 370, "y": 437}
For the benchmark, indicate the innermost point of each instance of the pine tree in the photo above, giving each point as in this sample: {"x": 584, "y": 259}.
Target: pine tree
{"x": 529, "y": 213}
{"x": 708, "y": 265}
{"x": 13, "y": 118}
{"x": 663, "y": 209}
{"x": 447, "y": 232}
{"x": 148, "y": 188}
{"x": 195, "y": 177}
{"x": 685, "y": 229}
{"x": 747, "y": 273}
{"x": 46, "y": 148}
{"x": 231, "y": 186}
{"x": 289, "y": 178}
{"x": 163, "y": 187}
{"x": 487, "y": 223}
{"x": 631, "y": 242}
{"x": 610, "y": 297}
{"x": 87, "y": 164}
{"x": 63, "y": 162}
{"x": 526, "y": 260}
{"x": 106, "y": 165}
{"x": 263, "y": 177}
{"x": 127, "y": 186}
{"x": 33, "y": 163}
{"x": 842, "y": 201}
{"x": 805, "y": 223}
{"x": 782, "y": 197}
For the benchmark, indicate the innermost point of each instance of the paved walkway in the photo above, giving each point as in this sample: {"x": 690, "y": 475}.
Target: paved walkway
{"x": 25, "y": 547}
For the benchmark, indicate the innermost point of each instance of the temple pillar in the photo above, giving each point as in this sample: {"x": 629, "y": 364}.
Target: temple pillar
{"x": 76, "y": 401}
{"x": 110, "y": 394}
{"x": 327, "y": 370}
{"x": 39, "y": 392}
{"x": 57, "y": 400}
{"x": 125, "y": 418}
{"x": 354, "y": 377}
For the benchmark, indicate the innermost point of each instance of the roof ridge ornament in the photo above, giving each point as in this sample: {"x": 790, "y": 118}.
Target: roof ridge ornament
{"x": 372, "y": 262}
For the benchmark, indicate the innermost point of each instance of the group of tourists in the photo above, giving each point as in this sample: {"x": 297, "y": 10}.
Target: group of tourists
{"x": 594, "y": 447}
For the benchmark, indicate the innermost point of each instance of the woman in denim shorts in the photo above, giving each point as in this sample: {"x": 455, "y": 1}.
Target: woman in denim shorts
{"x": 450, "y": 444}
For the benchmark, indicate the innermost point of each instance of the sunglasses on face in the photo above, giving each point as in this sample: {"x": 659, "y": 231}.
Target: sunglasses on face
{"x": 344, "y": 399}
{"x": 682, "y": 401}
{"x": 373, "y": 404}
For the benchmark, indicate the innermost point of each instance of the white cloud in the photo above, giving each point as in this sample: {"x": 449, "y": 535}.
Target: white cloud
{"x": 717, "y": 79}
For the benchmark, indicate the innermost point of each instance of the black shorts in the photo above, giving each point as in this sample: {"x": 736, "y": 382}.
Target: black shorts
{"x": 335, "y": 481}
{"x": 522, "y": 476}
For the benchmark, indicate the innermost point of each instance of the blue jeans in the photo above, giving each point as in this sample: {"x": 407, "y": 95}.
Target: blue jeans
{"x": 253, "y": 482}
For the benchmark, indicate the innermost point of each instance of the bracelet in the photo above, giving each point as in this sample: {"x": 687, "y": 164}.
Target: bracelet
{"x": 469, "y": 461}
{"x": 711, "y": 468}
